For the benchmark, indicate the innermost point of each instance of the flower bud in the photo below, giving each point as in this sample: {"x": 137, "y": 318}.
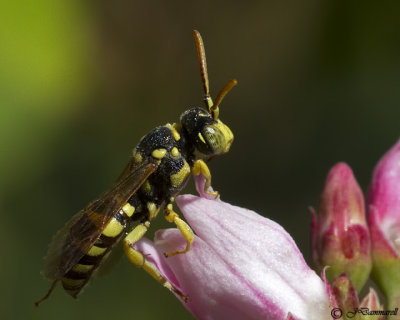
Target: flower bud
{"x": 346, "y": 296}
{"x": 384, "y": 223}
{"x": 339, "y": 233}
{"x": 371, "y": 303}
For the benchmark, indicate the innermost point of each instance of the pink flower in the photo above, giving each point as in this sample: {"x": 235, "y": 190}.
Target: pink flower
{"x": 241, "y": 266}
{"x": 340, "y": 236}
{"x": 384, "y": 223}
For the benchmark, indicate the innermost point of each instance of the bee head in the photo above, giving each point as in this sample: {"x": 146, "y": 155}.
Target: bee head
{"x": 210, "y": 137}
{"x": 206, "y": 132}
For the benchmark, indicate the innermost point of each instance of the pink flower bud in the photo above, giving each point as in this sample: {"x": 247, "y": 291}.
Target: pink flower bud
{"x": 345, "y": 294}
{"x": 384, "y": 223}
{"x": 371, "y": 303}
{"x": 340, "y": 237}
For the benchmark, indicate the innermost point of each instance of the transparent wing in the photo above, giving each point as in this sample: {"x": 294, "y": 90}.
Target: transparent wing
{"x": 74, "y": 240}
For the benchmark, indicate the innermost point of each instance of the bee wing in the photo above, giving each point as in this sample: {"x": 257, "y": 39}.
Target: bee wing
{"x": 74, "y": 240}
{"x": 113, "y": 259}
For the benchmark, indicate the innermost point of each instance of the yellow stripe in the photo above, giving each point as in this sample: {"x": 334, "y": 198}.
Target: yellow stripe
{"x": 96, "y": 251}
{"x": 128, "y": 209}
{"x": 82, "y": 268}
{"x": 113, "y": 229}
{"x": 178, "y": 178}
{"x": 73, "y": 283}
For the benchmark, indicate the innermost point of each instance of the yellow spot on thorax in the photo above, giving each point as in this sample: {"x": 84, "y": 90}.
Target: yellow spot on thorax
{"x": 174, "y": 132}
{"x": 128, "y": 209}
{"x": 175, "y": 152}
{"x": 113, "y": 228}
{"x": 82, "y": 268}
{"x": 159, "y": 153}
{"x": 178, "y": 178}
{"x": 96, "y": 251}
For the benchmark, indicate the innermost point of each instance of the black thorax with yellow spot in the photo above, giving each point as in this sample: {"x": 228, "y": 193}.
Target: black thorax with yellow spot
{"x": 167, "y": 147}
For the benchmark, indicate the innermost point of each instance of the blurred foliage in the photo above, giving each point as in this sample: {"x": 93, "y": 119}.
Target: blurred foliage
{"x": 81, "y": 82}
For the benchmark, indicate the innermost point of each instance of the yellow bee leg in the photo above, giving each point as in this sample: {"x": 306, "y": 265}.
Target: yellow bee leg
{"x": 200, "y": 167}
{"x": 183, "y": 227}
{"x": 138, "y": 259}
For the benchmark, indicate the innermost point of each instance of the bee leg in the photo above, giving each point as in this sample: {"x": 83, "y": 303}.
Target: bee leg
{"x": 200, "y": 167}
{"x": 138, "y": 259}
{"x": 172, "y": 216}
{"x": 53, "y": 285}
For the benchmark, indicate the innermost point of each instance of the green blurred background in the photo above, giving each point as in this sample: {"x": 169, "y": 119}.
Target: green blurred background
{"x": 82, "y": 81}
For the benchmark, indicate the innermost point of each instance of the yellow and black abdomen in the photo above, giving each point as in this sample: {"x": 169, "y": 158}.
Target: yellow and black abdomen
{"x": 166, "y": 147}
{"x": 78, "y": 276}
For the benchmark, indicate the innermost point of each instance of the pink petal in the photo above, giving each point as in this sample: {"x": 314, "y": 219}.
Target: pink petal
{"x": 241, "y": 266}
{"x": 371, "y": 301}
{"x": 291, "y": 317}
{"x": 200, "y": 182}
{"x": 157, "y": 258}
{"x": 332, "y": 299}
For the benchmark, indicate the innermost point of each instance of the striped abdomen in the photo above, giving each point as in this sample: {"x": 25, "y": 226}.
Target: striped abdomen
{"x": 77, "y": 277}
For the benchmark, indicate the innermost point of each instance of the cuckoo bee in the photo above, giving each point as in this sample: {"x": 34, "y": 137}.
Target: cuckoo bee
{"x": 157, "y": 171}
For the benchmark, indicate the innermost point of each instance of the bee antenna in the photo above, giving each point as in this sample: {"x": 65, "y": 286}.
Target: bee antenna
{"x": 201, "y": 55}
{"x": 53, "y": 285}
{"x": 220, "y": 97}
